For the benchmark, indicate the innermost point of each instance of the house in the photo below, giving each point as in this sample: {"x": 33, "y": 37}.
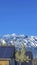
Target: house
{"x": 7, "y": 55}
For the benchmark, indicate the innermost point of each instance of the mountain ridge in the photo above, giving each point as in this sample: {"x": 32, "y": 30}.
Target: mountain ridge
{"x": 30, "y": 42}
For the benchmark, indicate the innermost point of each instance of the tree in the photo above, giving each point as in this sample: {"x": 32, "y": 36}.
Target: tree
{"x": 20, "y": 55}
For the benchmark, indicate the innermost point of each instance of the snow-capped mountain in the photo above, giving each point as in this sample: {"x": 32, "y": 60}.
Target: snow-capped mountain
{"x": 30, "y": 42}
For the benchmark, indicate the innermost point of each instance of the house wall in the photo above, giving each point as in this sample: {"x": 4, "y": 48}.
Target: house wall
{"x": 12, "y": 62}
{"x": 4, "y": 62}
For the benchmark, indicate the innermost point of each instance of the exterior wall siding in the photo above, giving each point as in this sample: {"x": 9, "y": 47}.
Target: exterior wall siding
{"x": 12, "y": 62}
{"x": 4, "y": 62}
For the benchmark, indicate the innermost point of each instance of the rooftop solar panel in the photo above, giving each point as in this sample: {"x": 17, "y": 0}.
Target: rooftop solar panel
{"x": 6, "y": 51}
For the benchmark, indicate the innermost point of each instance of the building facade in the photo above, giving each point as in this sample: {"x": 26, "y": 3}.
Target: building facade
{"x": 7, "y": 55}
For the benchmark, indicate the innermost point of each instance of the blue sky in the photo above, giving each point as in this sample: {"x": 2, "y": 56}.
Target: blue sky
{"x": 18, "y": 16}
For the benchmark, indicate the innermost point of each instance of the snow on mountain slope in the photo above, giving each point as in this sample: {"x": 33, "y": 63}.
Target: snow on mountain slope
{"x": 30, "y": 42}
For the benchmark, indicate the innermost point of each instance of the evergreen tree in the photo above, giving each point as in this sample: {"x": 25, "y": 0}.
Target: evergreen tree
{"x": 20, "y": 55}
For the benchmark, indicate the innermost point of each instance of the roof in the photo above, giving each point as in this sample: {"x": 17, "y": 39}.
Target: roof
{"x": 6, "y": 51}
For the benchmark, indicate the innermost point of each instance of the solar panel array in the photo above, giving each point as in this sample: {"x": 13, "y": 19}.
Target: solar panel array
{"x": 6, "y": 51}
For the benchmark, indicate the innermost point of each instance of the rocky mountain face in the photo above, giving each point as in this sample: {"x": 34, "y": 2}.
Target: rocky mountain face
{"x": 30, "y": 42}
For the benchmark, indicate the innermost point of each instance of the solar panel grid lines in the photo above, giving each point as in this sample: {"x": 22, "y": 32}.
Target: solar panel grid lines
{"x": 6, "y": 51}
